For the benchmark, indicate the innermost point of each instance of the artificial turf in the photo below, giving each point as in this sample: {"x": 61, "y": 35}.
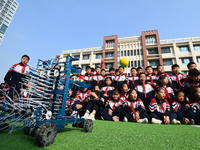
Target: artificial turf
{"x": 112, "y": 135}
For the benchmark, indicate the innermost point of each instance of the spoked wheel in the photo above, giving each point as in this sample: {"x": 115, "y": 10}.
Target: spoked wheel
{"x": 88, "y": 125}
{"x": 45, "y": 134}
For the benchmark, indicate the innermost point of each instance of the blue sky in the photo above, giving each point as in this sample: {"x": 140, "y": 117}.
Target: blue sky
{"x": 44, "y": 28}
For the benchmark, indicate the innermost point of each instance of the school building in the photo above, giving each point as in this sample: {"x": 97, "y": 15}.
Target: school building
{"x": 7, "y": 11}
{"x": 144, "y": 50}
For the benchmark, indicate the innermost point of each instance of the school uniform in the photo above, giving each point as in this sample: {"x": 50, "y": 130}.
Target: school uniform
{"x": 98, "y": 80}
{"x": 131, "y": 107}
{"x": 110, "y": 104}
{"x": 152, "y": 79}
{"x": 182, "y": 111}
{"x": 123, "y": 98}
{"x": 133, "y": 81}
{"x": 195, "y": 107}
{"x": 188, "y": 83}
{"x": 87, "y": 78}
{"x": 177, "y": 80}
{"x": 107, "y": 90}
{"x": 169, "y": 79}
{"x": 159, "y": 109}
{"x": 145, "y": 93}
{"x": 120, "y": 79}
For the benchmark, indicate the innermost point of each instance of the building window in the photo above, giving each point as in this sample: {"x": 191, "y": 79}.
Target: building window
{"x": 98, "y": 56}
{"x": 108, "y": 65}
{"x": 121, "y": 53}
{"x": 150, "y": 39}
{"x": 109, "y": 55}
{"x": 84, "y": 67}
{"x": 124, "y": 53}
{"x": 77, "y": 56}
{"x": 86, "y": 57}
{"x": 3, "y": 28}
{"x": 110, "y": 44}
{"x": 138, "y": 63}
{"x": 152, "y": 51}
{"x": 185, "y": 72}
{"x": 185, "y": 61}
{"x": 118, "y": 53}
{"x": 153, "y": 62}
{"x": 131, "y": 63}
{"x": 97, "y": 65}
{"x": 128, "y": 53}
{"x": 166, "y": 50}
{"x": 141, "y": 51}
{"x": 197, "y": 47}
{"x": 198, "y": 60}
{"x": 184, "y": 49}
{"x": 142, "y": 63}
{"x": 134, "y": 52}
{"x": 131, "y": 52}
{"x": 138, "y": 52}
{"x": 135, "y": 63}
{"x": 167, "y": 62}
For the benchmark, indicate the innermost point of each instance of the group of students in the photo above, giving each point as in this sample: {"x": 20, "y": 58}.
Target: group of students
{"x": 151, "y": 96}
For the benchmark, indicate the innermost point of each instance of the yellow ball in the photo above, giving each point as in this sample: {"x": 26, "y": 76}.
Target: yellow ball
{"x": 124, "y": 62}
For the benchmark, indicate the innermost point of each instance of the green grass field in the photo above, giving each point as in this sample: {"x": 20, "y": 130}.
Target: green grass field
{"x": 112, "y": 135}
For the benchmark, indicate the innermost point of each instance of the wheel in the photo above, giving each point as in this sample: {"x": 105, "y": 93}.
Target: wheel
{"x": 29, "y": 131}
{"x": 88, "y": 125}
{"x": 45, "y": 134}
{"x": 74, "y": 125}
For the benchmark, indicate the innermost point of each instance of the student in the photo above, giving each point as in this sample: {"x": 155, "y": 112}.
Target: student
{"x": 155, "y": 72}
{"x": 69, "y": 103}
{"x": 133, "y": 80}
{"x": 121, "y": 78}
{"x": 80, "y": 102}
{"x": 94, "y": 103}
{"x": 116, "y": 72}
{"x": 195, "y": 103}
{"x": 123, "y": 95}
{"x": 169, "y": 92}
{"x": 191, "y": 65}
{"x": 192, "y": 80}
{"x": 15, "y": 74}
{"x": 96, "y": 88}
{"x": 160, "y": 70}
{"x": 145, "y": 91}
{"x": 177, "y": 77}
{"x": 106, "y": 91}
{"x": 98, "y": 79}
{"x": 151, "y": 79}
{"x": 160, "y": 109}
{"x": 88, "y": 77}
{"x": 182, "y": 108}
{"x": 139, "y": 70}
{"x": 112, "y": 73}
{"x": 92, "y": 71}
{"x": 134, "y": 109}
{"x": 103, "y": 72}
{"x": 113, "y": 108}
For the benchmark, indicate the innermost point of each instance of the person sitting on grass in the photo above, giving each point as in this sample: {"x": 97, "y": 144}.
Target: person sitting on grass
{"x": 182, "y": 108}
{"x": 160, "y": 109}
{"x": 123, "y": 92}
{"x": 113, "y": 108}
{"x": 106, "y": 91}
{"x": 134, "y": 109}
{"x": 93, "y": 105}
{"x": 195, "y": 103}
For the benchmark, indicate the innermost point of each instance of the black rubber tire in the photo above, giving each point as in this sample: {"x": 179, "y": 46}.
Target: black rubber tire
{"x": 74, "y": 125}
{"x": 81, "y": 124}
{"x": 45, "y": 134}
{"x": 88, "y": 125}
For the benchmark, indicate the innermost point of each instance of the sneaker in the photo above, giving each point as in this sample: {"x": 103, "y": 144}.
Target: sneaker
{"x": 86, "y": 115}
{"x": 145, "y": 120}
{"x": 192, "y": 122}
{"x": 156, "y": 121}
{"x": 174, "y": 121}
{"x": 125, "y": 119}
{"x": 91, "y": 116}
{"x": 74, "y": 114}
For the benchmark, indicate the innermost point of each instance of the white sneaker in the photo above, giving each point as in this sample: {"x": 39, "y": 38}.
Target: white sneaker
{"x": 174, "y": 121}
{"x": 91, "y": 116}
{"x": 156, "y": 121}
{"x": 86, "y": 115}
{"x": 74, "y": 114}
{"x": 125, "y": 119}
{"x": 144, "y": 120}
